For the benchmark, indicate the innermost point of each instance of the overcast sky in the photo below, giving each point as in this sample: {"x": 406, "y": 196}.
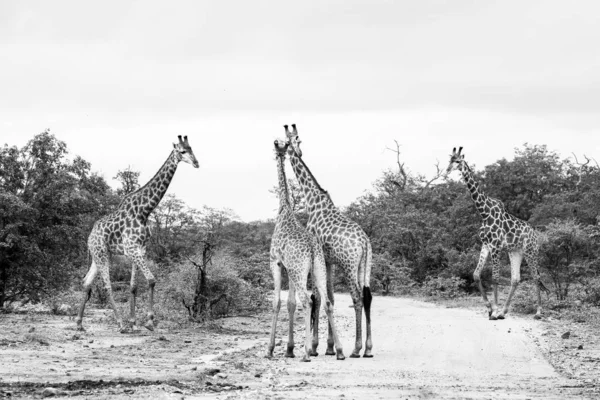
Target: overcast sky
{"x": 119, "y": 80}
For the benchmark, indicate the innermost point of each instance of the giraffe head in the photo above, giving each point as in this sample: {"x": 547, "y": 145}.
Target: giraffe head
{"x": 293, "y": 140}
{"x": 455, "y": 160}
{"x": 184, "y": 152}
{"x": 281, "y": 147}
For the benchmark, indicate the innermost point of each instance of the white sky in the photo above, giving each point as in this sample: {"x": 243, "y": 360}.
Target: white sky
{"x": 119, "y": 80}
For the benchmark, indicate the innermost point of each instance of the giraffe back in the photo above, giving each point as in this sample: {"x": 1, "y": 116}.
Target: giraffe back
{"x": 343, "y": 240}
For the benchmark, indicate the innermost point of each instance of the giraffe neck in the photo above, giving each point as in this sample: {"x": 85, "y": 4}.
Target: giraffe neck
{"x": 284, "y": 198}
{"x": 314, "y": 194}
{"x": 479, "y": 198}
{"x": 144, "y": 200}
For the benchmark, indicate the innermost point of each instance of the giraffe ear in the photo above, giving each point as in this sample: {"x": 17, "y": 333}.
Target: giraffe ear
{"x": 174, "y": 146}
{"x": 459, "y": 150}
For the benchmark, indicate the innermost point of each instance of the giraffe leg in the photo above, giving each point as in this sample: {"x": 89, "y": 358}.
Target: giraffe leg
{"x": 483, "y": 255}
{"x": 367, "y": 298}
{"x": 330, "y": 268}
{"x": 136, "y": 254}
{"x": 532, "y": 260}
{"x": 515, "y": 277}
{"x": 322, "y": 288}
{"x": 133, "y": 290}
{"x": 104, "y": 273}
{"x": 358, "y": 310}
{"x": 87, "y": 293}
{"x": 276, "y": 270}
{"x": 314, "y": 317}
{"x": 308, "y": 309}
{"x": 291, "y": 306}
{"x": 495, "y": 256}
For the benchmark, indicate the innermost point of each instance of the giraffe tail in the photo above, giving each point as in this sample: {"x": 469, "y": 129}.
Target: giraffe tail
{"x": 367, "y": 297}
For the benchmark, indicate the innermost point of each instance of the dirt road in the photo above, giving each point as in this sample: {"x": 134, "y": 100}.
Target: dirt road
{"x": 424, "y": 351}
{"x": 421, "y": 351}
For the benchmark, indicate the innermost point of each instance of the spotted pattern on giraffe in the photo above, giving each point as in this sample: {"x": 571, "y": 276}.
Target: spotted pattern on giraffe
{"x": 124, "y": 232}
{"x": 300, "y": 253}
{"x": 344, "y": 242}
{"x": 499, "y": 231}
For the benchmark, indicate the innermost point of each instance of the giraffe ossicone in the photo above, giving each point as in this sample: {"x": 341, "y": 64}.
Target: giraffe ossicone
{"x": 125, "y": 232}
{"x": 499, "y": 231}
{"x": 344, "y": 243}
{"x": 299, "y": 252}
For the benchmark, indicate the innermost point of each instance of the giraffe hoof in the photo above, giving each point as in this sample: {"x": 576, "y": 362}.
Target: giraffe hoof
{"x": 493, "y": 318}
{"x": 290, "y": 355}
{"x": 149, "y": 325}
{"x": 354, "y": 355}
{"x": 305, "y": 359}
{"x": 537, "y": 316}
{"x": 314, "y": 353}
{"x": 80, "y": 328}
{"x": 330, "y": 352}
{"x": 501, "y": 316}
{"x": 367, "y": 355}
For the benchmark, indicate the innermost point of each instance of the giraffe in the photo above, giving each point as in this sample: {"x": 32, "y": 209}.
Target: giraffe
{"x": 500, "y": 230}
{"x": 299, "y": 252}
{"x": 344, "y": 242}
{"x": 124, "y": 232}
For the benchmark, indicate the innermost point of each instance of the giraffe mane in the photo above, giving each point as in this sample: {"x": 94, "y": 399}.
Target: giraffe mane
{"x": 313, "y": 177}
{"x": 128, "y": 195}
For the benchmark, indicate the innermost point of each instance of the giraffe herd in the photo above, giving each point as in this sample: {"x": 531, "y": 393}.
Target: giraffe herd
{"x": 329, "y": 240}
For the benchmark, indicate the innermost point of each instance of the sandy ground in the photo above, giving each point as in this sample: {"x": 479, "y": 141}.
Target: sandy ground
{"x": 421, "y": 351}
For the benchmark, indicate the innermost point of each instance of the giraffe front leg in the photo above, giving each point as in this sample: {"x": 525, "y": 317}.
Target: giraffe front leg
{"x": 483, "y": 255}
{"x": 104, "y": 272}
{"x": 136, "y": 254}
{"x": 133, "y": 292}
{"x": 495, "y": 256}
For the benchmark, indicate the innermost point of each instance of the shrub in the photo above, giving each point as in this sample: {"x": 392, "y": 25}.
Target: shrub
{"x": 444, "y": 287}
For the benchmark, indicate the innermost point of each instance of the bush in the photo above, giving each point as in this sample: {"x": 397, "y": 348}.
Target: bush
{"x": 447, "y": 288}
{"x": 226, "y": 293}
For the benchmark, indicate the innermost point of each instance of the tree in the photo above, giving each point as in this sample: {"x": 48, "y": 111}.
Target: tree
{"x": 47, "y": 206}
{"x": 566, "y": 254}
{"x": 129, "y": 180}
{"x": 212, "y": 222}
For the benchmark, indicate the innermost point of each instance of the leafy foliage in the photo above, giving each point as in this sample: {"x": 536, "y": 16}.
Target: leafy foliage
{"x": 47, "y": 205}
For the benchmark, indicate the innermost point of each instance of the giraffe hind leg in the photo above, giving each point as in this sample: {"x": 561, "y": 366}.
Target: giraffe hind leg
{"x": 367, "y": 299}
{"x": 515, "y": 277}
{"x": 276, "y": 270}
{"x": 87, "y": 293}
{"x": 330, "y": 268}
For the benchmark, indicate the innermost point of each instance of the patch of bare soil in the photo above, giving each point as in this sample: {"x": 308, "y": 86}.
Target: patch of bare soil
{"x": 572, "y": 347}
{"x": 422, "y": 351}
